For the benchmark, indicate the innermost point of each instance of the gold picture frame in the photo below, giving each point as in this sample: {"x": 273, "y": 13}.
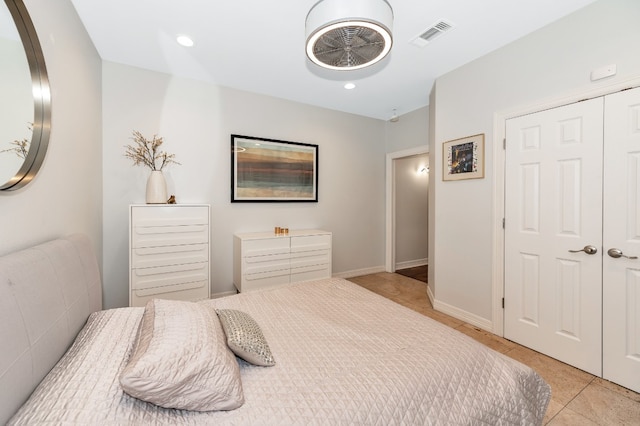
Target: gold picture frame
{"x": 463, "y": 158}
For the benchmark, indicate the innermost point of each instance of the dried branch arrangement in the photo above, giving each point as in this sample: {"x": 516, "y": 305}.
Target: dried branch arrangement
{"x": 146, "y": 152}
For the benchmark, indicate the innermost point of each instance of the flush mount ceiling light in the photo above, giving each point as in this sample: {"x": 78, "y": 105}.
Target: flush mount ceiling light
{"x": 348, "y": 35}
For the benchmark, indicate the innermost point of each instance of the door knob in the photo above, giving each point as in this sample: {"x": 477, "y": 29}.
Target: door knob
{"x": 616, "y": 253}
{"x": 587, "y": 249}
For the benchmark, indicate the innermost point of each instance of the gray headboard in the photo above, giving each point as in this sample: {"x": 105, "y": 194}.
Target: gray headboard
{"x": 46, "y": 294}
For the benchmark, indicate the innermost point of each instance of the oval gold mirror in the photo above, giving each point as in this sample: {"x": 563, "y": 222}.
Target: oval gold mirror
{"x": 25, "y": 98}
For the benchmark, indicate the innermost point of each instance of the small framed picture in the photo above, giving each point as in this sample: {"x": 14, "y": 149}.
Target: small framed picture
{"x": 463, "y": 158}
{"x": 268, "y": 170}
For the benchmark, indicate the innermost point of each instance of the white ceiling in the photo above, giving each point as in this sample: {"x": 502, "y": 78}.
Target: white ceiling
{"x": 258, "y": 45}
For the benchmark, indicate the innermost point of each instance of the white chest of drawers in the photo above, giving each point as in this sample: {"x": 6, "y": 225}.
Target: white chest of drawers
{"x": 168, "y": 252}
{"x": 262, "y": 259}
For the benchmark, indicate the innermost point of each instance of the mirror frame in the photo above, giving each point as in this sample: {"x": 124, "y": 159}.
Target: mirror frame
{"x": 41, "y": 97}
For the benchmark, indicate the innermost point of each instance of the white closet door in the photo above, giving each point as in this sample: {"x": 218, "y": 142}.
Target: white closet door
{"x": 621, "y": 275}
{"x": 553, "y": 184}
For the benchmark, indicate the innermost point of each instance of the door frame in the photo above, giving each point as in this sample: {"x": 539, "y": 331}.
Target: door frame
{"x": 390, "y": 202}
{"x": 499, "y": 167}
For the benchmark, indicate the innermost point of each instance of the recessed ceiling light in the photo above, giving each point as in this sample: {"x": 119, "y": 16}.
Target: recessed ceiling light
{"x": 349, "y": 86}
{"x": 184, "y": 40}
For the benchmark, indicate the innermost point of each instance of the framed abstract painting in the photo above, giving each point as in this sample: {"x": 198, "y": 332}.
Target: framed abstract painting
{"x": 269, "y": 170}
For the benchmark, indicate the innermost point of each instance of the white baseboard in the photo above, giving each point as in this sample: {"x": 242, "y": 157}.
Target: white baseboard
{"x": 358, "y": 272}
{"x": 462, "y": 315}
{"x": 223, "y": 294}
{"x": 412, "y": 263}
{"x": 430, "y": 295}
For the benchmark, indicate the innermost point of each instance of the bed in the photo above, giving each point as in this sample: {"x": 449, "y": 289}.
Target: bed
{"x": 342, "y": 355}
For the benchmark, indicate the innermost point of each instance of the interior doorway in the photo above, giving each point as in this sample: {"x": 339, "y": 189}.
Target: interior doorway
{"x": 407, "y": 179}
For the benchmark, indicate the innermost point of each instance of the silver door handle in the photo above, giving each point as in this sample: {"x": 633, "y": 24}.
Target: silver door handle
{"x": 616, "y": 253}
{"x": 586, "y": 249}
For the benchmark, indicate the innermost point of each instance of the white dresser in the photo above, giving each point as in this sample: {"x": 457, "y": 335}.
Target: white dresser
{"x": 263, "y": 259}
{"x": 168, "y": 252}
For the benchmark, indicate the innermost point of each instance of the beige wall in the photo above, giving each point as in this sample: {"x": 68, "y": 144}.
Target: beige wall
{"x": 410, "y": 131}
{"x": 550, "y": 63}
{"x": 196, "y": 119}
{"x": 66, "y": 195}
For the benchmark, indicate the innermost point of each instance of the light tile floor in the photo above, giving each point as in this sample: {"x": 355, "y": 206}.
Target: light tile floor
{"x": 577, "y": 398}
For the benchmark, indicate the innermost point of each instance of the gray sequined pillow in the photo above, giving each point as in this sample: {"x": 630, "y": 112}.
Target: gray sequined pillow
{"x": 245, "y": 338}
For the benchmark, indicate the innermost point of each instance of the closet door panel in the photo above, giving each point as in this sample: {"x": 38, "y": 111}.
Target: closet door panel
{"x": 553, "y": 209}
{"x": 621, "y": 273}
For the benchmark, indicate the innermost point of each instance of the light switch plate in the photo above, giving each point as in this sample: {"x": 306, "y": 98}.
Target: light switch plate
{"x": 603, "y": 72}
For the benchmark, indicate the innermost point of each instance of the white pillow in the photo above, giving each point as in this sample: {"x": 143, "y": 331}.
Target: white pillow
{"x": 180, "y": 359}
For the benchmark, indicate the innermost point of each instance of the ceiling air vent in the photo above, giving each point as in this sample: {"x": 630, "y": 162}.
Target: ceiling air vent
{"x": 431, "y": 33}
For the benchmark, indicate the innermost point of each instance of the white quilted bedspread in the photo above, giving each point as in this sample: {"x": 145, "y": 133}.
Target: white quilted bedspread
{"x": 343, "y": 355}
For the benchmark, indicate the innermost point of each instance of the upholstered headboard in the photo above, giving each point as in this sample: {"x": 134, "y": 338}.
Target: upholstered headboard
{"x": 46, "y": 294}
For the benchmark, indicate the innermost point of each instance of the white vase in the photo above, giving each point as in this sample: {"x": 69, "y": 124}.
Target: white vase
{"x": 156, "y": 188}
